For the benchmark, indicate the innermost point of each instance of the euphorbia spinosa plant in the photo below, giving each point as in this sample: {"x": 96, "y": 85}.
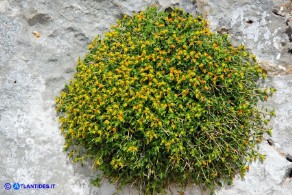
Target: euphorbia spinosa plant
{"x": 161, "y": 99}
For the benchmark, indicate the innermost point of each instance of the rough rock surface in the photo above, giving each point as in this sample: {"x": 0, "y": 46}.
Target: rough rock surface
{"x": 40, "y": 42}
{"x": 264, "y": 26}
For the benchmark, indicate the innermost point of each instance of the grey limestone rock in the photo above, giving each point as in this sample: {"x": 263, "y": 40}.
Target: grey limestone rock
{"x": 40, "y": 42}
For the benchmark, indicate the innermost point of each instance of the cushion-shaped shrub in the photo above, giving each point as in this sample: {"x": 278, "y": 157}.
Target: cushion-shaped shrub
{"x": 161, "y": 99}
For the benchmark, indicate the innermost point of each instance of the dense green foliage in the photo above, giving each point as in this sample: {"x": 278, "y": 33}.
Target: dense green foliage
{"x": 161, "y": 99}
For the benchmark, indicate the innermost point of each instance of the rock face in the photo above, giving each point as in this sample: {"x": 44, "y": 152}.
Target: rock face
{"x": 264, "y": 26}
{"x": 40, "y": 42}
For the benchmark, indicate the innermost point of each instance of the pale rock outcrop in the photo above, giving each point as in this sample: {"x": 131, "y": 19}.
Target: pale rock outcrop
{"x": 40, "y": 42}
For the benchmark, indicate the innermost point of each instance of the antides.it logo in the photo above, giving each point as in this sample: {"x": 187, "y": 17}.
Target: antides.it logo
{"x": 16, "y": 186}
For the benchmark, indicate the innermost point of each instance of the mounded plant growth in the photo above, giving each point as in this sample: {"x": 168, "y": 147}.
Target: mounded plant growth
{"x": 161, "y": 99}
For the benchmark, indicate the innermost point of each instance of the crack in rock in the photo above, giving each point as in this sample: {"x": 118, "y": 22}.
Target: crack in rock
{"x": 39, "y": 19}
